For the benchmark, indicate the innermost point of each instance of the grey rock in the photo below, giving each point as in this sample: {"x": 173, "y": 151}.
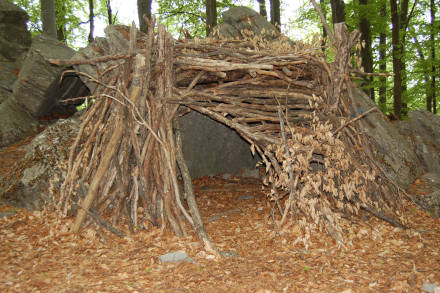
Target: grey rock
{"x": 431, "y": 203}
{"x": 432, "y": 178}
{"x": 211, "y": 148}
{"x": 44, "y": 161}
{"x": 250, "y": 173}
{"x": 37, "y": 75}
{"x": 392, "y": 152}
{"x": 430, "y": 287}
{"x": 228, "y": 253}
{"x": 90, "y": 52}
{"x": 176, "y": 257}
{"x": 15, "y": 123}
{"x": 8, "y": 74}
{"x": 422, "y": 132}
{"x": 14, "y": 36}
{"x": 241, "y": 18}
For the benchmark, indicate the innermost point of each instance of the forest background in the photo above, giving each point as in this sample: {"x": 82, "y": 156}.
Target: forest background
{"x": 401, "y": 38}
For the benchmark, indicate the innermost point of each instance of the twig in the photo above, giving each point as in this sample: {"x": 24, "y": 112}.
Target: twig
{"x": 90, "y": 61}
{"x": 358, "y": 72}
{"x": 290, "y": 170}
{"x": 355, "y": 119}
{"x": 94, "y": 215}
{"x": 324, "y": 22}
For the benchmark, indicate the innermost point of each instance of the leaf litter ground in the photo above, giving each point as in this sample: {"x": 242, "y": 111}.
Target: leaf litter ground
{"x": 38, "y": 254}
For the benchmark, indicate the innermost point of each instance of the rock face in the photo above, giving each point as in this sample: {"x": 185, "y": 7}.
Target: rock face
{"x": 212, "y": 148}
{"x": 29, "y": 85}
{"x": 422, "y": 132}
{"x": 15, "y": 122}
{"x": 37, "y": 75}
{"x": 392, "y": 153}
{"x": 14, "y": 41}
{"x": 29, "y": 182}
{"x": 241, "y": 18}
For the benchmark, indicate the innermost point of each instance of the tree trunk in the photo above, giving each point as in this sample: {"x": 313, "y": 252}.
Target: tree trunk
{"x": 211, "y": 15}
{"x": 91, "y": 20}
{"x": 275, "y": 13}
{"x": 324, "y": 32}
{"x": 263, "y": 11}
{"x": 425, "y": 69}
{"x": 48, "y": 18}
{"x": 144, "y": 8}
{"x": 383, "y": 62}
{"x": 61, "y": 27}
{"x": 109, "y": 13}
{"x": 397, "y": 61}
{"x": 367, "y": 58}
{"x": 338, "y": 11}
{"x": 432, "y": 91}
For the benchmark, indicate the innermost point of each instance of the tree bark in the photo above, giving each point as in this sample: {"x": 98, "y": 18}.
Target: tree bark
{"x": 338, "y": 11}
{"x": 211, "y": 15}
{"x": 275, "y": 13}
{"x": 60, "y": 19}
{"x": 397, "y": 61}
{"x": 324, "y": 32}
{"x": 432, "y": 92}
{"x": 144, "y": 8}
{"x": 48, "y": 18}
{"x": 109, "y": 12}
{"x": 383, "y": 62}
{"x": 91, "y": 20}
{"x": 367, "y": 57}
{"x": 263, "y": 11}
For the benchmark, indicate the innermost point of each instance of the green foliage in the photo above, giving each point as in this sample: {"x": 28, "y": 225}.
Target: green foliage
{"x": 417, "y": 71}
{"x": 71, "y": 18}
{"x": 179, "y": 15}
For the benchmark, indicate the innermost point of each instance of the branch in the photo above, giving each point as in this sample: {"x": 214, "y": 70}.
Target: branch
{"x": 324, "y": 22}
{"x": 355, "y": 119}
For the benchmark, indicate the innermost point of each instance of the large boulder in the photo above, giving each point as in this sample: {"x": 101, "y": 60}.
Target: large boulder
{"x": 37, "y": 74}
{"x": 392, "y": 153}
{"x": 15, "y": 39}
{"x": 242, "y": 22}
{"x": 15, "y": 123}
{"x": 14, "y": 36}
{"x": 422, "y": 132}
{"x": 41, "y": 169}
{"x": 426, "y": 191}
{"x": 211, "y": 148}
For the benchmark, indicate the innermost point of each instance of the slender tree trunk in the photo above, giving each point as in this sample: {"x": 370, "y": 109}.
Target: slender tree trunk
{"x": 48, "y": 18}
{"x": 338, "y": 11}
{"x": 403, "y": 19}
{"x": 109, "y": 12}
{"x": 397, "y": 61}
{"x": 91, "y": 20}
{"x": 61, "y": 27}
{"x": 383, "y": 62}
{"x": 263, "y": 11}
{"x": 433, "y": 63}
{"x": 324, "y": 32}
{"x": 144, "y": 8}
{"x": 275, "y": 13}
{"x": 425, "y": 69}
{"x": 366, "y": 55}
{"x": 211, "y": 15}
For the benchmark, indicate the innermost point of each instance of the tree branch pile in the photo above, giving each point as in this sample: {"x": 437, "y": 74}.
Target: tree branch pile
{"x": 287, "y": 102}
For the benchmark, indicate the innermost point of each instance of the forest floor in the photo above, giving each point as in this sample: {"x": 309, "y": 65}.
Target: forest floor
{"x": 38, "y": 254}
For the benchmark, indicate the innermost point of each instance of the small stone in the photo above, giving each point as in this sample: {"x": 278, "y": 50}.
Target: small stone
{"x": 430, "y": 287}
{"x": 177, "y": 256}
